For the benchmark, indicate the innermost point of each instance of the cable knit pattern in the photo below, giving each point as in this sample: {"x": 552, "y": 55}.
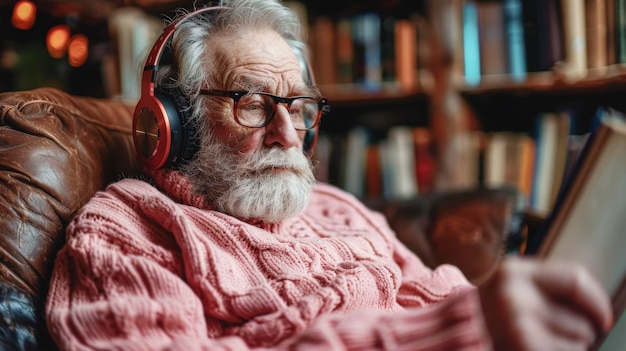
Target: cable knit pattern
{"x": 145, "y": 269}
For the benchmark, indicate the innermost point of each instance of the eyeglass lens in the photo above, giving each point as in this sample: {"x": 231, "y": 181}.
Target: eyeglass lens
{"x": 254, "y": 110}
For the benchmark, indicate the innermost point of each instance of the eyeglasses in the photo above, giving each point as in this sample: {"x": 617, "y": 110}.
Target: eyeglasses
{"x": 256, "y": 110}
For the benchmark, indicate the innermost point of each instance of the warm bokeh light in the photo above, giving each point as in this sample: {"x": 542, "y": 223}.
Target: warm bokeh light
{"x": 78, "y": 50}
{"x": 24, "y": 15}
{"x": 57, "y": 40}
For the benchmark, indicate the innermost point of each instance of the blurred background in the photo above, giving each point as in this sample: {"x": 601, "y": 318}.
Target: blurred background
{"x": 85, "y": 47}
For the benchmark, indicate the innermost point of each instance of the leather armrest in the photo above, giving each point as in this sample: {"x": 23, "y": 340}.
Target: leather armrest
{"x": 470, "y": 229}
{"x": 56, "y": 151}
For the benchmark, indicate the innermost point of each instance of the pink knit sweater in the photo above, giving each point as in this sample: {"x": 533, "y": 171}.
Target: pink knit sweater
{"x": 147, "y": 271}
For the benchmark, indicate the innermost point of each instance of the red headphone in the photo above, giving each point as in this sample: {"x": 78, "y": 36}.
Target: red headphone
{"x": 162, "y": 134}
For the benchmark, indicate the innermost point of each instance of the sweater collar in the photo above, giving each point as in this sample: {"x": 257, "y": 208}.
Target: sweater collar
{"x": 178, "y": 188}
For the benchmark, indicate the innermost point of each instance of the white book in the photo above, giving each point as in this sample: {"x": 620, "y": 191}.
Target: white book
{"x": 402, "y": 157}
{"x": 354, "y": 166}
{"x": 547, "y": 136}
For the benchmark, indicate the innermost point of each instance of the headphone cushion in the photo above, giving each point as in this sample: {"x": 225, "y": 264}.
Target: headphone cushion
{"x": 184, "y": 132}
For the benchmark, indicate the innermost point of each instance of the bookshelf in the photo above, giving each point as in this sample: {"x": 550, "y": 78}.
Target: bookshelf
{"x": 573, "y": 67}
{"x": 548, "y": 57}
{"x": 372, "y": 61}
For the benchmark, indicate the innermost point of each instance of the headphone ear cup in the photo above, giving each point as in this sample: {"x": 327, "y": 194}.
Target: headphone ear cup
{"x": 186, "y": 132}
{"x": 184, "y": 143}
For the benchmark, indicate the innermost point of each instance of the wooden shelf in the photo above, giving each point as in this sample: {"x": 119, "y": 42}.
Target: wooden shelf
{"x": 611, "y": 79}
{"x": 389, "y": 93}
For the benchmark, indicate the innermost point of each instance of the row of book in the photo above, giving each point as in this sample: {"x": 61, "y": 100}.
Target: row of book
{"x": 398, "y": 166}
{"x": 403, "y": 164}
{"x": 535, "y": 163}
{"x": 370, "y": 52}
{"x": 510, "y": 38}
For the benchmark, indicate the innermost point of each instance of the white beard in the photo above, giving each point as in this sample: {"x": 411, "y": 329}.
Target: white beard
{"x": 270, "y": 185}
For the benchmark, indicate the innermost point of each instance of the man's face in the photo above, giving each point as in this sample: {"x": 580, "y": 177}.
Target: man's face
{"x": 254, "y": 173}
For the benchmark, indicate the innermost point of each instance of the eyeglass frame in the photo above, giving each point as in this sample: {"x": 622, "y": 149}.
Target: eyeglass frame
{"x": 236, "y": 95}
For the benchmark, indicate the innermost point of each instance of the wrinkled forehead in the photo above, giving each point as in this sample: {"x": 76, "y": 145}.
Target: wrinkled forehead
{"x": 254, "y": 60}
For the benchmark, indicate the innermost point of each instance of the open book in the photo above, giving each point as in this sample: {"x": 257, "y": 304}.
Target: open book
{"x": 588, "y": 222}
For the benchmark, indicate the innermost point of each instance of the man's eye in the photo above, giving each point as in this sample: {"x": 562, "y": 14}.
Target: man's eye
{"x": 295, "y": 110}
{"x": 253, "y": 107}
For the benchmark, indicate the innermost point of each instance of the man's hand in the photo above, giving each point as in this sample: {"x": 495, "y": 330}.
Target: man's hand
{"x": 536, "y": 305}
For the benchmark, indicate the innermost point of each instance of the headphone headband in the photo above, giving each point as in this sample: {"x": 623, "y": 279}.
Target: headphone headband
{"x": 152, "y": 61}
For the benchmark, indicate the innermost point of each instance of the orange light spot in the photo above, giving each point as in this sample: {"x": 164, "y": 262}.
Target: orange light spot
{"x": 24, "y": 15}
{"x": 57, "y": 40}
{"x": 78, "y": 50}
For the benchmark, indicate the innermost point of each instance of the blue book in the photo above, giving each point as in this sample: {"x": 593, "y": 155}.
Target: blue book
{"x": 514, "y": 23}
{"x": 366, "y": 33}
{"x": 471, "y": 44}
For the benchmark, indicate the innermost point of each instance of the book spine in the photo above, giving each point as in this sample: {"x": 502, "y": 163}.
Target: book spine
{"x": 345, "y": 51}
{"x": 515, "y": 39}
{"x": 575, "y": 39}
{"x": 595, "y": 14}
{"x": 620, "y": 27}
{"x": 366, "y": 37}
{"x": 471, "y": 46}
{"x": 491, "y": 39}
{"x": 406, "y": 54}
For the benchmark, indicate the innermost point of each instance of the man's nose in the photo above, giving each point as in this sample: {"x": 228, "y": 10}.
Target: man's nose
{"x": 281, "y": 131}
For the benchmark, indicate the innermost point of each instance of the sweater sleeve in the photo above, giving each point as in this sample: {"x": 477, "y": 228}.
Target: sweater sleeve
{"x": 451, "y": 324}
{"x": 114, "y": 289}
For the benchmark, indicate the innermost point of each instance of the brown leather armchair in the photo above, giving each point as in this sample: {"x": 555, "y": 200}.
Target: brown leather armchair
{"x": 57, "y": 150}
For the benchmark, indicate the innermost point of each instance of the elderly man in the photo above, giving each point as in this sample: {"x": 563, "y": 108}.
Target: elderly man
{"x": 230, "y": 244}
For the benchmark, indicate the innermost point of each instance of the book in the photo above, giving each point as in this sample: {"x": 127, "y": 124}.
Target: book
{"x": 492, "y": 39}
{"x": 471, "y": 44}
{"x": 564, "y": 127}
{"x": 357, "y": 141}
{"x": 366, "y": 38}
{"x": 509, "y": 161}
{"x": 496, "y": 159}
{"x": 345, "y": 51}
{"x": 469, "y": 166}
{"x": 373, "y": 172}
{"x": 587, "y": 222}
{"x": 543, "y": 34}
{"x": 611, "y": 32}
{"x": 401, "y": 154}
{"x": 514, "y": 24}
{"x": 547, "y": 131}
{"x": 620, "y": 31}
{"x": 324, "y": 64}
{"x": 425, "y": 163}
{"x": 595, "y": 17}
{"x": 388, "y": 48}
{"x": 574, "y": 39}
{"x": 527, "y": 165}
{"x": 406, "y": 54}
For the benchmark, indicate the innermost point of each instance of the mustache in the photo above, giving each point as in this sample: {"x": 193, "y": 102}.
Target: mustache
{"x": 270, "y": 159}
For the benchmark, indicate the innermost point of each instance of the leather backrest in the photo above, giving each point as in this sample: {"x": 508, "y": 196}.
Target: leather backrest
{"x": 56, "y": 151}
